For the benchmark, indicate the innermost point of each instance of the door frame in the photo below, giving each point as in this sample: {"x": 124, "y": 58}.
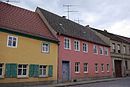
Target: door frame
{"x": 69, "y": 69}
{"x": 120, "y": 67}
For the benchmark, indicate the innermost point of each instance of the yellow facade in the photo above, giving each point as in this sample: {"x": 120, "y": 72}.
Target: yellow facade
{"x": 28, "y": 51}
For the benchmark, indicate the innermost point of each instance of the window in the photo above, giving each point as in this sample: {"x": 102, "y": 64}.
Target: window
{"x": 45, "y": 47}
{"x": 118, "y": 48}
{"x": 129, "y": 49}
{"x": 124, "y": 49}
{"x": 95, "y": 49}
{"x": 85, "y": 47}
{"x": 113, "y": 47}
{"x": 1, "y": 70}
{"x": 67, "y": 43}
{"x": 22, "y": 70}
{"x": 96, "y": 68}
{"x": 126, "y": 65}
{"x": 85, "y": 67}
{"x": 77, "y": 45}
{"x": 106, "y": 51}
{"x": 108, "y": 67}
{"x": 43, "y": 70}
{"x": 12, "y": 41}
{"x": 77, "y": 67}
{"x": 102, "y": 67}
{"x": 101, "y": 50}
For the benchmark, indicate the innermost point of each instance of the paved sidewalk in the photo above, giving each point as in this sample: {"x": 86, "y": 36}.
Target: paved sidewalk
{"x": 76, "y": 83}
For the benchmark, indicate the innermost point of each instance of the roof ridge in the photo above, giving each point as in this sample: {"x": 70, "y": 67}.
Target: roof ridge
{"x": 60, "y": 16}
{"x": 16, "y": 7}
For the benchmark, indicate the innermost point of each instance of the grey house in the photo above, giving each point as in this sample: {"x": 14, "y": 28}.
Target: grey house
{"x": 120, "y": 52}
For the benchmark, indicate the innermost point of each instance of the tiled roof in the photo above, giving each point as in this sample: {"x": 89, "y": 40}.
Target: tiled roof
{"x": 112, "y": 36}
{"x": 69, "y": 28}
{"x": 23, "y": 21}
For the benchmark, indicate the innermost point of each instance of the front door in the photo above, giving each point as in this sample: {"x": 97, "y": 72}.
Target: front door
{"x": 118, "y": 69}
{"x": 65, "y": 71}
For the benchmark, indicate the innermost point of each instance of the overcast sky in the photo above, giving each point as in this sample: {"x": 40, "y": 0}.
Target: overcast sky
{"x": 111, "y": 15}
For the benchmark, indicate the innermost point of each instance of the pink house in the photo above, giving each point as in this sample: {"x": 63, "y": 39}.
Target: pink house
{"x": 82, "y": 54}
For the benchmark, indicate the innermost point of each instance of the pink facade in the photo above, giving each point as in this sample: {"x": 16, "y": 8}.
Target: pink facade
{"x": 73, "y": 56}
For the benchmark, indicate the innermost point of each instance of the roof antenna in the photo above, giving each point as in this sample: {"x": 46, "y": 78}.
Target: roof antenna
{"x": 68, "y": 9}
{"x": 78, "y": 20}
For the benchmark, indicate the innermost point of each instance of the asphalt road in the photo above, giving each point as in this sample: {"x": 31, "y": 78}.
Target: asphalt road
{"x": 124, "y": 82}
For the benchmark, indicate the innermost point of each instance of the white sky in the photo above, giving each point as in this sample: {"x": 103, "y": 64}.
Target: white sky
{"x": 111, "y": 15}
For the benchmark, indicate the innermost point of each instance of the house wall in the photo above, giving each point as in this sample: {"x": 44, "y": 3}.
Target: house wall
{"x": 79, "y": 56}
{"x": 28, "y": 52}
{"x": 121, "y": 56}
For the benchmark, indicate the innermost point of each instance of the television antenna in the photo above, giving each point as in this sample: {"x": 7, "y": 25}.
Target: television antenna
{"x": 68, "y": 9}
{"x": 78, "y": 20}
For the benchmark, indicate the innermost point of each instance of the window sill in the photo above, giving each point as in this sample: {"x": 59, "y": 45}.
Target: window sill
{"x": 96, "y": 72}
{"x": 43, "y": 76}
{"x": 108, "y": 71}
{"x": 67, "y": 48}
{"x": 77, "y": 72}
{"x": 22, "y": 77}
{"x": 12, "y": 46}
{"x": 85, "y": 52}
{"x": 85, "y": 72}
{"x": 77, "y": 50}
{"x": 102, "y": 71}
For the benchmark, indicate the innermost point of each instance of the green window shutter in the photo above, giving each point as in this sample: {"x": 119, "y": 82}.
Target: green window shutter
{"x": 50, "y": 70}
{"x": 14, "y": 70}
{"x": 33, "y": 70}
{"x": 8, "y": 70}
{"x": 36, "y": 70}
{"x": 11, "y": 70}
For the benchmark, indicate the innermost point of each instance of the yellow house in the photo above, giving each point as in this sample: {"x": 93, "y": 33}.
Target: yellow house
{"x": 28, "y": 50}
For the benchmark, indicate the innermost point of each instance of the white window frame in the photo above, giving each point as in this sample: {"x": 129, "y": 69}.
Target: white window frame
{"x": 76, "y": 45}
{"x": 108, "y": 67}
{"x": 43, "y": 70}
{"x": 113, "y": 47}
{"x": 96, "y": 67}
{"x": 119, "y": 47}
{"x": 106, "y": 50}
{"x": 124, "y": 49}
{"x": 12, "y": 41}
{"x": 95, "y": 47}
{"x": 1, "y": 76}
{"x": 102, "y": 67}
{"x": 86, "y": 66}
{"x": 85, "y": 46}
{"x": 69, "y": 43}
{"x": 101, "y": 49}
{"x": 77, "y": 67}
{"x": 46, "y": 47}
{"x": 22, "y": 76}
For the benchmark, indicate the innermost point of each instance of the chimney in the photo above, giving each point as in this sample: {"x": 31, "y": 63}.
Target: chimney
{"x": 87, "y": 25}
{"x": 64, "y": 17}
{"x": 105, "y": 30}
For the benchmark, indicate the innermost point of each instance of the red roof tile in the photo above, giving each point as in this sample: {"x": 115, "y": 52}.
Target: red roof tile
{"x": 23, "y": 21}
